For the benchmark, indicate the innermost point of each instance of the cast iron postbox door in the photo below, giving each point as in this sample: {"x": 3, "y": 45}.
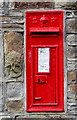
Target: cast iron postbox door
{"x": 44, "y": 61}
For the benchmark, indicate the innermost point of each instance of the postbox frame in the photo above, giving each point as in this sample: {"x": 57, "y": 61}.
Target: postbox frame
{"x": 53, "y": 109}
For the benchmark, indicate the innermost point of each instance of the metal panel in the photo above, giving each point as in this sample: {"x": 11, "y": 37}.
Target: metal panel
{"x": 44, "y": 72}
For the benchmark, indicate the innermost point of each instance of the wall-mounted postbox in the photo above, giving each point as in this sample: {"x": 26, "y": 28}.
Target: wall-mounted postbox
{"x": 44, "y": 61}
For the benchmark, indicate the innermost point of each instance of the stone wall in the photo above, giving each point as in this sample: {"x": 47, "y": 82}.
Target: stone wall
{"x": 12, "y": 52}
{"x": 71, "y": 39}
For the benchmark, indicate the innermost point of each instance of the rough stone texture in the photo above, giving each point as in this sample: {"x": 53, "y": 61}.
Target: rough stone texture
{"x": 13, "y": 65}
{"x": 13, "y": 54}
{"x": 13, "y": 19}
{"x": 73, "y": 88}
{"x": 72, "y": 76}
{"x": 72, "y": 39}
{"x": 72, "y": 52}
{"x": 72, "y": 101}
{"x": 14, "y": 106}
{"x": 71, "y": 25}
{"x": 34, "y": 5}
{"x": 71, "y": 95}
{"x": 75, "y": 12}
{"x": 11, "y": 5}
{"x": 1, "y": 97}
{"x": 66, "y": 5}
{"x": 1, "y": 4}
{"x": 13, "y": 42}
{"x": 71, "y": 65}
{"x": 45, "y": 117}
{"x": 12, "y": 25}
{"x": 69, "y": 13}
{"x": 15, "y": 13}
{"x": 15, "y": 90}
{"x": 4, "y": 117}
{"x": 1, "y": 57}
{"x": 72, "y": 108}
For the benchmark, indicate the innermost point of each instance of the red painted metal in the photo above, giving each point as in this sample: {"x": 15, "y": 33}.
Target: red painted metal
{"x": 45, "y": 90}
{"x": 44, "y": 29}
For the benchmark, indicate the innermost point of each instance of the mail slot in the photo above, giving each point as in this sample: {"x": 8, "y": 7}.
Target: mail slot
{"x": 44, "y": 61}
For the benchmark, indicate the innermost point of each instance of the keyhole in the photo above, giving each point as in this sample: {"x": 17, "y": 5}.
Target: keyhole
{"x": 39, "y": 80}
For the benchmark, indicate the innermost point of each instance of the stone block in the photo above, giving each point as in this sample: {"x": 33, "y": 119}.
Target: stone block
{"x": 72, "y": 39}
{"x": 4, "y": 117}
{"x": 1, "y": 57}
{"x": 72, "y": 76}
{"x": 1, "y": 4}
{"x": 12, "y": 19}
{"x": 45, "y": 117}
{"x": 11, "y": 4}
{"x": 16, "y": 13}
{"x": 71, "y": 100}
{"x": 1, "y": 97}
{"x": 20, "y": 30}
{"x": 71, "y": 65}
{"x": 71, "y": 25}
{"x": 75, "y": 13}
{"x": 72, "y": 91}
{"x": 1, "y": 105}
{"x": 69, "y": 13}
{"x": 15, "y": 90}
{"x": 13, "y": 64}
{"x": 34, "y": 5}
{"x": 12, "y": 25}
{"x": 13, "y": 54}
{"x": 71, "y": 95}
{"x": 72, "y": 108}
{"x": 72, "y": 52}
{"x": 13, "y": 41}
{"x": 66, "y": 5}
{"x": 14, "y": 106}
{"x": 73, "y": 88}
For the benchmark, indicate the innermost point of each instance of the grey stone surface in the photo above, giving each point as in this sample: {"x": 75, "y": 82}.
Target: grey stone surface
{"x": 14, "y": 106}
{"x": 4, "y": 117}
{"x": 72, "y": 65}
{"x": 72, "y": 98}
{"x": 69, "y": 13}
{"x": 72, "y": 52}
{"x": 12, "y": 19}
{"x": 13, "y": 29}
{"x": 71, "y": 5}
{"x": 72, "y": 101}
{"x": 15, "y": 90}
{"x": 12, "y": 25}
{"x": 71, "y": 95}
{"x": 1, "y": 57}
{"x": 13, "y": 65}
{"x": 1, "y": 97}
{"x": 46, "y": 117}
{"x": 71, "y": 25}
{"x": 72, "y": 39}
{"x": 1, "y": 4}
{"x": 13, "y": 54}
{"x": 11, "y": 4}
{"x": 34, "y": 1}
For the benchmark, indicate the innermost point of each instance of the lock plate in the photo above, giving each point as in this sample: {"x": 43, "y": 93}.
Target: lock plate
{"x": 41, "y": 79}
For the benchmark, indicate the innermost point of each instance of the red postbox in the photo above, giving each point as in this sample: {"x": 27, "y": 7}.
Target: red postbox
{"x": 44, "y": 61}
